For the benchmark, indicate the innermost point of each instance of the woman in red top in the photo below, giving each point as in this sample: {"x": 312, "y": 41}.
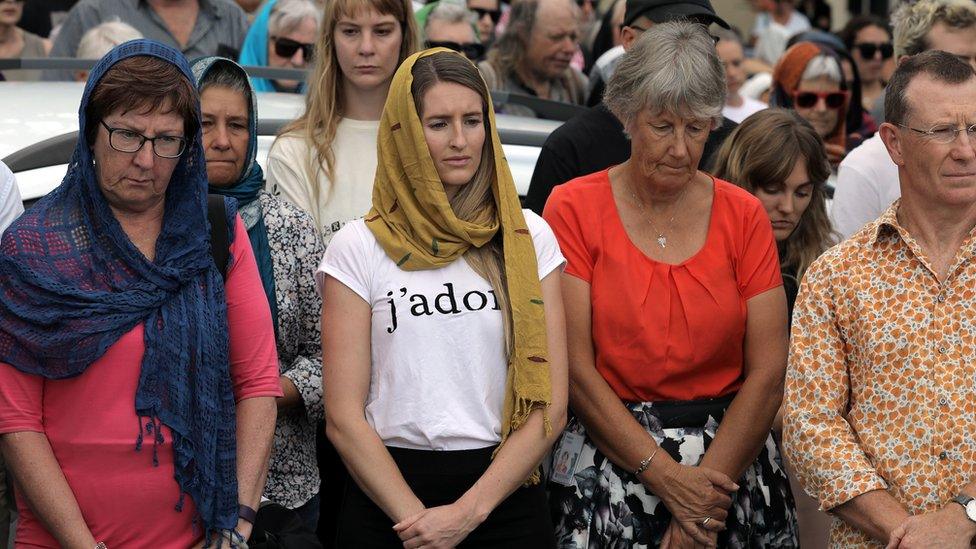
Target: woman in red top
{"x": 676, "y": 322}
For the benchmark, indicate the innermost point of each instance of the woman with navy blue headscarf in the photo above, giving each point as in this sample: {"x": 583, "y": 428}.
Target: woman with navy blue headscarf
{"x": 288, "y": 248}
{"x": 137, "y": 377}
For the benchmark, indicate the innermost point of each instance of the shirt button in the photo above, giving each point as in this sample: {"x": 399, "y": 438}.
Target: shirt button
{"x": 941, "y": 298}
{"x": 944, "y": 456}
{"x": 943, "y": 402}
{"x": 943, "y": 350}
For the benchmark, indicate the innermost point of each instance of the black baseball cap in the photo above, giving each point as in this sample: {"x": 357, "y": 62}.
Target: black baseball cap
{"x": 661, "y": 11}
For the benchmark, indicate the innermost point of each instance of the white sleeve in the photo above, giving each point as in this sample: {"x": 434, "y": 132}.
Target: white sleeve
{"x": 346, "y": 259}
{"x": 10, "y": 204}
{"x": 857, "y": 200}
{"x": 547, "y": 251}
{"x": 286, "y": 175}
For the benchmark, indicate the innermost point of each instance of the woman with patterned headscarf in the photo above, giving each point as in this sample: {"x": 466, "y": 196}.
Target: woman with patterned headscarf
{"x": 137, "y": 376}
{"x": 287, "y": 247}
{"x": 442, "y": 331}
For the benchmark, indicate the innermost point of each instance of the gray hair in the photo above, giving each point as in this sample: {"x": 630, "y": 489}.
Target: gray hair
{"x": 823, "y": 65}
{"x": 912, "y": 22}
{"x": 449, "y": 13}
{"x": 672, "y": 67}
{"x": 287, "y": 15}
{"x": 226, "y": 75}
{"x": 100, "y": 39}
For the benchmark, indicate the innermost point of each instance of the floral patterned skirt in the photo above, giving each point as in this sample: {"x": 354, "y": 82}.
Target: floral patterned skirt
{"x": 599, "y": 505}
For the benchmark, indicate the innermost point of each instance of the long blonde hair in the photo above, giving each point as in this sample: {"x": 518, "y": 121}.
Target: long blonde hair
{"x": 473, "y": 202}
{"x": 323, "y": 101}
{"x": 761, "y": 152}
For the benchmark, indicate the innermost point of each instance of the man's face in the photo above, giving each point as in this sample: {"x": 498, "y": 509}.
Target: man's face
{"x": 958, "y": 42}
{"x": 936, "y": 173}
{"x": 554, "y": 39}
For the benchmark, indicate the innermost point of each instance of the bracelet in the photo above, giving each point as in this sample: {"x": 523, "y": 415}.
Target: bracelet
{"x": 646, "y": 462}
{"x": 101, "y": 545}
{"x": 235, "y": 538}
{"x": 247, "y": 513}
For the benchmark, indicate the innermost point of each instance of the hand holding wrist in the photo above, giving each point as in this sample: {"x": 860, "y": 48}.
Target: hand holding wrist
{"x": 961, "y": 520}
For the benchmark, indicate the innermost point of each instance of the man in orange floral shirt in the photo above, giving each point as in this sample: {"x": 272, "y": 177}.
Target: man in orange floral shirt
{"x": 880, "y": 420}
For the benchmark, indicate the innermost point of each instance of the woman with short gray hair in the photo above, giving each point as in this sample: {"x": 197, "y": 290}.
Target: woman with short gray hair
{"x": 676, "y": 323}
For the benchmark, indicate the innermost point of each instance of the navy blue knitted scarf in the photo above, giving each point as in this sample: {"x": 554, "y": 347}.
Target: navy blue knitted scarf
{"x": 73, "y": 283}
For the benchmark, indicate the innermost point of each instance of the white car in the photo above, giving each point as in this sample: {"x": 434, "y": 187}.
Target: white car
{"x": 39, "y": 125}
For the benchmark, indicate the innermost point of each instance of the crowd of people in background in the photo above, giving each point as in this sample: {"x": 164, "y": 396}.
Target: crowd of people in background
{"x": 732, "y": 313}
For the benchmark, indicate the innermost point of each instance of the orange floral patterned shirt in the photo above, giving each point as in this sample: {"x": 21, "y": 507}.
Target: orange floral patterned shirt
{"x": 881, "y": 384}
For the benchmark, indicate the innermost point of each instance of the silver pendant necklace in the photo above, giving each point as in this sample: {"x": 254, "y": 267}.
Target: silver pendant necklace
{"x": 661, "y": 239}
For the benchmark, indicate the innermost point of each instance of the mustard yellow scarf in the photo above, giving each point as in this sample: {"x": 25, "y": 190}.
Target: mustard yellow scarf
{"x": 414, "y": 223}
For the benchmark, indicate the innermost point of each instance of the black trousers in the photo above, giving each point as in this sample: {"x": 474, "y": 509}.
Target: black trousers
{"x": 439, "y": 478}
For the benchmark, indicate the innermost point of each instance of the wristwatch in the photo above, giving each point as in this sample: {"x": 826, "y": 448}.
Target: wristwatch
{"x": 969, "y": 504}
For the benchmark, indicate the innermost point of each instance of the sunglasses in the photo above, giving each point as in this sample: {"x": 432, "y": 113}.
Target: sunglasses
{"x": 809, "y": 99}
{"x": 472, "y": 51}
{"x": 494, "y": 14}
{"x": 869, "y": 49}
{"x": 286, "y": 47}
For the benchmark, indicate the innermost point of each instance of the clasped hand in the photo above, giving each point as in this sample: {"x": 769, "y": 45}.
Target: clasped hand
{"x": 694, "y": 494}
{"x": 437, "y": 527}
{"x": 947, "y": 528}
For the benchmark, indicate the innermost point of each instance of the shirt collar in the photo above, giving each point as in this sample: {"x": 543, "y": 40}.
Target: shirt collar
{"x": 887, "y": 223}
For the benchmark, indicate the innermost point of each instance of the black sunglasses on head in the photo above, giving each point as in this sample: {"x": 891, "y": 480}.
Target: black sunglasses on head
{"x": 868, "y": 49}
{"x": 494, "y": 14}
{"x": 286, "y": 47}
{"x": 472, "y": 51}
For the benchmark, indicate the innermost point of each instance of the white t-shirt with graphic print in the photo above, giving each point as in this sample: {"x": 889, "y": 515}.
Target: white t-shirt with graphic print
{"x": 438, "y": 360}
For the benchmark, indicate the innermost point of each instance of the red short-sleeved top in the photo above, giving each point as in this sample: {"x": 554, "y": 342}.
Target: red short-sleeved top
{"x": 90, "y": 421}
{"x": 666, "y": 332}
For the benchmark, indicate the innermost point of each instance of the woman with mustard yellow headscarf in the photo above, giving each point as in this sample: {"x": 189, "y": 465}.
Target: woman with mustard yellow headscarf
{"x": 444, "y": 349}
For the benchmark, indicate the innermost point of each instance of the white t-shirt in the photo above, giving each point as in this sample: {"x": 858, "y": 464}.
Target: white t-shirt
{"x": 796, "y": 24}
{"x": 867, "y": 183}
{"x": 748, "y": 107}
{"x": 438, "y": 372}
{"x": 331, "y": 204}
{"x": 772, "y": 37}
{"x": 10, "y": 205}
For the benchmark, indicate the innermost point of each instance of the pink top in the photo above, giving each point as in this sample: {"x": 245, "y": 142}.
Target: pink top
{"x": 90, "y": 421}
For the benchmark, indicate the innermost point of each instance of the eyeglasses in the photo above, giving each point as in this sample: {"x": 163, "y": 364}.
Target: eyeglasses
{"x": 473, "y": 51}
{"x": 286, "y": 47}
{"x": 944, "y": 133}
{"x": 809, "y": 99}
{"x": 868, "y": 49}
{"x": 494, "y": 14}
{"x": 128, "y": 141}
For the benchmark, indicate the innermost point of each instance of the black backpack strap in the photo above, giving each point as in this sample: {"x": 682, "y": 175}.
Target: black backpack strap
{"x": 219, "y": 239}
